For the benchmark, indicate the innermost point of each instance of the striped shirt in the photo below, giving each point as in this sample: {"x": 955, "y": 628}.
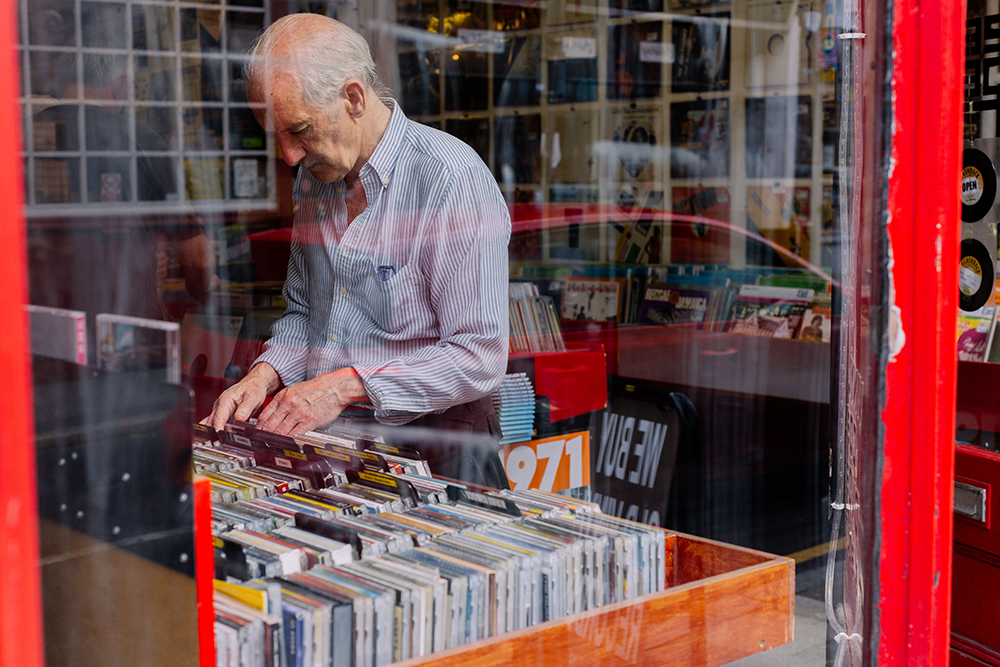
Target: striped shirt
{"x": 413, "y": 293}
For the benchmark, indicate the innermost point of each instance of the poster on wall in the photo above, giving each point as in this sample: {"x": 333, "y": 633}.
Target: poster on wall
{"x": 636, "y": 55}
{"x": 779, "y": 137}
{"x": 572, "y": 65}
{"x": 517, "y": 148}
{"x": 701, "y": 53}
{"x": 699, "y": 139}
{"x": 634, "y": 139}
{"x": 571, "y": 157}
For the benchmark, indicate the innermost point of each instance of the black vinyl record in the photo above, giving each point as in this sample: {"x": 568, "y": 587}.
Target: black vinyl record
{"x": 975, "y": 275}
{"x": 979, "y": 185}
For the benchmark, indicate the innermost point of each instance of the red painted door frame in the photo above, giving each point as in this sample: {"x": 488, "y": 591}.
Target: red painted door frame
{"x": 919, "y": 414}
{"x": 20, "y": 581}
{"x": 928, "y": 62}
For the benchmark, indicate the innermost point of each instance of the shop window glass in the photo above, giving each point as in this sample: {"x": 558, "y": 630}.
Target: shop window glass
{"x": 683, "y": 287}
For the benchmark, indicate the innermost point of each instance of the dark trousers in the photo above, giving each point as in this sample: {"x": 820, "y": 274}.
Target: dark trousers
{"x": 461, "y": 443}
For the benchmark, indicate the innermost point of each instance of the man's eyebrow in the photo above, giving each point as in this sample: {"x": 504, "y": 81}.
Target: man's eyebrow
{"x": 296, "y": 126}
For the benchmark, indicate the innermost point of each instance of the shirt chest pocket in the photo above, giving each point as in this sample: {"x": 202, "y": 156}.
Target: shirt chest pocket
{"x": 393, "y": 298}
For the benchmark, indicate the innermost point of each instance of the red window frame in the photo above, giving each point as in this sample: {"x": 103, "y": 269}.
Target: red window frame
{"x": 928, "y": 47}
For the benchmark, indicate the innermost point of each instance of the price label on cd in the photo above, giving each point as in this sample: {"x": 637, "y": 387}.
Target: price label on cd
{"x": 549, "y": 464}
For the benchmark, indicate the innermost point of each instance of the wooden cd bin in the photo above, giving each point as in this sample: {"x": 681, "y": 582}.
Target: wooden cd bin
{"x": 721, "y": 603}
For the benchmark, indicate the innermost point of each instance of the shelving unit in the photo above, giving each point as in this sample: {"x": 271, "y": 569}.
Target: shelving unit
{"x": 625, "y": 148}
{"x": 182, "y": 104}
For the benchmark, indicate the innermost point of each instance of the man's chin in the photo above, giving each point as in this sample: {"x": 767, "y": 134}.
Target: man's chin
{"x": 324, "y": 173}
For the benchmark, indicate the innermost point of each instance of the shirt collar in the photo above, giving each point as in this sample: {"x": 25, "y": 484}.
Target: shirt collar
{"x": 384, "y": 157}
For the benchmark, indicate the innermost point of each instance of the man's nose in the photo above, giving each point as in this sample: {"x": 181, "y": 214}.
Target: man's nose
{"x": 291, "y": 151}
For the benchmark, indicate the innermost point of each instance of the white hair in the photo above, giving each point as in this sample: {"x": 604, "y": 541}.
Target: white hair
{"x": 323, "y": 59}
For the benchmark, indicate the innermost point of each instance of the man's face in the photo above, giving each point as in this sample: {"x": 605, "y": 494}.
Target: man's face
{"x": 307, "y": 137}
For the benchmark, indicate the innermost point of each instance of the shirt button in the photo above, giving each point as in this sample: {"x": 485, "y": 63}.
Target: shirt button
{"x": 385, "y": 181}
{"x": 343, "y": 290}
{"x": 333, "y": 338}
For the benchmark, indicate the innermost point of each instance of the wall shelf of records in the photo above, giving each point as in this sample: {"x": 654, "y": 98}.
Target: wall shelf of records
{"x": 721, "y": 109}
{"x": 336, "y": 549}
{"x": 141, "y": 103}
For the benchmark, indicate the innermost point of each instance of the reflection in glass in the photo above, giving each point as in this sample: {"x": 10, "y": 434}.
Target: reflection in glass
{"x": 102, "y": 25}
{"x": 635, "y": 56}
{"x": 202, "y": 129}
{"x": 57, "y": 180}
{"x": 517, "y": 149}
{"x": 201, "y": 79}
{"x": 152, "y": 28}
{"x": 201, "y": 30}
{"x": 473, "y": 131}
{"x": 52, "y": 23}
{"x": 516, "y": 73}
{"x": 155, "y": 78}
{"x": 420, "y": 76}
{"x": 646, "y": 164}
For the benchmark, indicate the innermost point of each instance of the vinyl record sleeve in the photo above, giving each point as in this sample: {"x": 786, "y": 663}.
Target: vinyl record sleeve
{"x": 467, "y": 585}
{"x": 976, "y": 275}
{"x": 979, "y": 185}
{"x": 509, "y": 573}
{"x": 401, "y": 623}
{"x": 701, "y": 52}
{"x": 699, "y": 139}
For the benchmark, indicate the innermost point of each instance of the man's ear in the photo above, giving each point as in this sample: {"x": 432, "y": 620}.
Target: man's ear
{"x": 355, "y": 92}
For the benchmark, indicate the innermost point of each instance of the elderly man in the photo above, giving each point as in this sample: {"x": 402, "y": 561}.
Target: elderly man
{"x": 397, "y": 282}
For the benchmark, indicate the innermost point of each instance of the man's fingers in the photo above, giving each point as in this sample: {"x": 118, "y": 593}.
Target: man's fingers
{"x": 265, "y": 415}
{"x": 284, "y": 424}
{"x": 276, "y": 412}
{"x": 244, "y": 410}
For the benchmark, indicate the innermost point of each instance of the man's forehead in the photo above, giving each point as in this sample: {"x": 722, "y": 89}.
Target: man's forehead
{"x": 279, "y": 119}
{"x": 278, "y": 101}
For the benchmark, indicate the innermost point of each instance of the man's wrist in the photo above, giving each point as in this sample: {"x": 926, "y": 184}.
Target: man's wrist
{"x": 350, "y": 388}
{"x": 265, "y": 373}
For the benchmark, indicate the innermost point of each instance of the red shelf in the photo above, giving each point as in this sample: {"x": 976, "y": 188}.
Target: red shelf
{"x": 575, "y": 381}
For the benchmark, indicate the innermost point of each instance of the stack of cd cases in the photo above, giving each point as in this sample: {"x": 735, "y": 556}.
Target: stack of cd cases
{"x": 514, "y": 401}
{"x": 359, "y": 557}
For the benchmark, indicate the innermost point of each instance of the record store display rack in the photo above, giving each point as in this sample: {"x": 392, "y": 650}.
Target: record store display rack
{"x": 339, "y": 549}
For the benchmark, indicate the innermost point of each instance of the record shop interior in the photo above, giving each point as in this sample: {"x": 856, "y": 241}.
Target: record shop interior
{"x": 654, "y": 354}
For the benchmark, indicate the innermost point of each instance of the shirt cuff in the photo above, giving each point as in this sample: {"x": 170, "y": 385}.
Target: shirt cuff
{"x": 290, "y": 366}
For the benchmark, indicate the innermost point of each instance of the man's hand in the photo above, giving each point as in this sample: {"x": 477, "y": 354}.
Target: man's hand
{"x": 308, "y": 405}
{"x": 244, "y": 397}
